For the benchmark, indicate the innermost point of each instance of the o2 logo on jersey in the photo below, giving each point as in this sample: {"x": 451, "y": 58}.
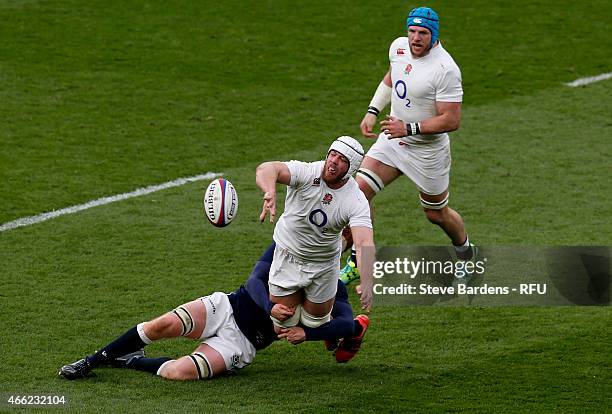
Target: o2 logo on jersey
{"x": 402, "y": 90}
{"x": 318, "y": 217}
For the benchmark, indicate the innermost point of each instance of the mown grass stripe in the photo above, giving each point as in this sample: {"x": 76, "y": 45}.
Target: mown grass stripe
{"x": 590, "y": 79}
{"x": 28, "y": 221}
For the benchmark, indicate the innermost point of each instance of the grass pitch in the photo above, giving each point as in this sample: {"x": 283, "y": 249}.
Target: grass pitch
{"x": 99, "y": 98}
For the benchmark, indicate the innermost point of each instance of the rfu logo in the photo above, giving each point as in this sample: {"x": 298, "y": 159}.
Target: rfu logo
{"x": 327, "y": 198}
{"x": 408, "y": 69}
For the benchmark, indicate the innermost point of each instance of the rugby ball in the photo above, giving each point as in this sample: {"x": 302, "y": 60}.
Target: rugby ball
{"x": 220, "y": 202}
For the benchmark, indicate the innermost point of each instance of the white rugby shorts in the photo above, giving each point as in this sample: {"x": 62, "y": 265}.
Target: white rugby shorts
{"x": 222, "y": 333}
{"x": 288, "y": 274}
{"x": 426, "y": 164}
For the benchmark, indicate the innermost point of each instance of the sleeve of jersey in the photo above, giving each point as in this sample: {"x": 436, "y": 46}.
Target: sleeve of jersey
{"x": 449, "y": 87}
{"x": 342, "y": 324}
{"x": 257, "y": 286}
{"x": 399, "y": 43}
{"x": 361, "y": 214}
{"x": 300, "y": 173}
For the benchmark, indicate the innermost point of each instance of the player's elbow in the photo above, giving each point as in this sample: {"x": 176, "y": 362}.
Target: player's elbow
{"x": 272, "y": 170}
{"x": 453, "y": 124}
{"x": 263, "y": 168}
{"x": 265, "y": 173}
{"x": 260, "y": 272}
{"x": 457, "y": 124}
{"x": 453, "y": 119}
{"x": 363, "y": 237}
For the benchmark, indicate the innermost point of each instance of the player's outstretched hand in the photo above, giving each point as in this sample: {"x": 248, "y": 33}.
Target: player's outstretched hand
{"x": 393, "y": 127}
{"x": 269, "y": 206}
{"x": 367, "y": 125}
{"x": 295, "y": 334}
{"x": 365, "y": 297}
{"x": 282, "y": 312}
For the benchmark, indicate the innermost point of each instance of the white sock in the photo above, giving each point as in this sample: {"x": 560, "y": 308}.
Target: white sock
{"x": 142, "y": 334}
{"x": 464, "y": 246}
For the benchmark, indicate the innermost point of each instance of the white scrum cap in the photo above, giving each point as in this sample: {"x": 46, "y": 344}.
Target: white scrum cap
{"x": 352, "y": 150}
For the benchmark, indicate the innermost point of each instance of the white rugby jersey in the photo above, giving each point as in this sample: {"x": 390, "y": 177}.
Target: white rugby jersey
{"x": 311, "y": 225}
{"x": 417, "y": 83}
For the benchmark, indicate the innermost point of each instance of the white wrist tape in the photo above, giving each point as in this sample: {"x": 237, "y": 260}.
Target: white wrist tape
{"x": 382, "y": 96}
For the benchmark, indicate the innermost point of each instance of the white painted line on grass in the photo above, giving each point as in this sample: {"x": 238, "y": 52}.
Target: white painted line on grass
{"x": 591, "y": 79}
{"x": 28, "y": 221}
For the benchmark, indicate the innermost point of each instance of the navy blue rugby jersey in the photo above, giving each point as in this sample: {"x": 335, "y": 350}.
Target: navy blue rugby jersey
{"x": 252, "y": 320}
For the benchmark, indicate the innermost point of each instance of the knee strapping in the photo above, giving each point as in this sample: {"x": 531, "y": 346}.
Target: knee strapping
{"x": 202, "y": 365}
{"x": 434, "y": 206}
{"x": 186, "y": 320}
{"x": 371, "y": 178}
{"x": 311, "y": 321}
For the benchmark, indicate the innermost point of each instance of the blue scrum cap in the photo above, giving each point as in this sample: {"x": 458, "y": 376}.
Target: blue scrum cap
{"x": 427, "y": 18}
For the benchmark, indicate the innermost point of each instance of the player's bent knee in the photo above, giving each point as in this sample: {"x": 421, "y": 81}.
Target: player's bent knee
{"x": 190, "y": 367}
{"x": 434, "y": 216}
{"x": 174, "y": 370}
{"x": 309, "y": 320}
